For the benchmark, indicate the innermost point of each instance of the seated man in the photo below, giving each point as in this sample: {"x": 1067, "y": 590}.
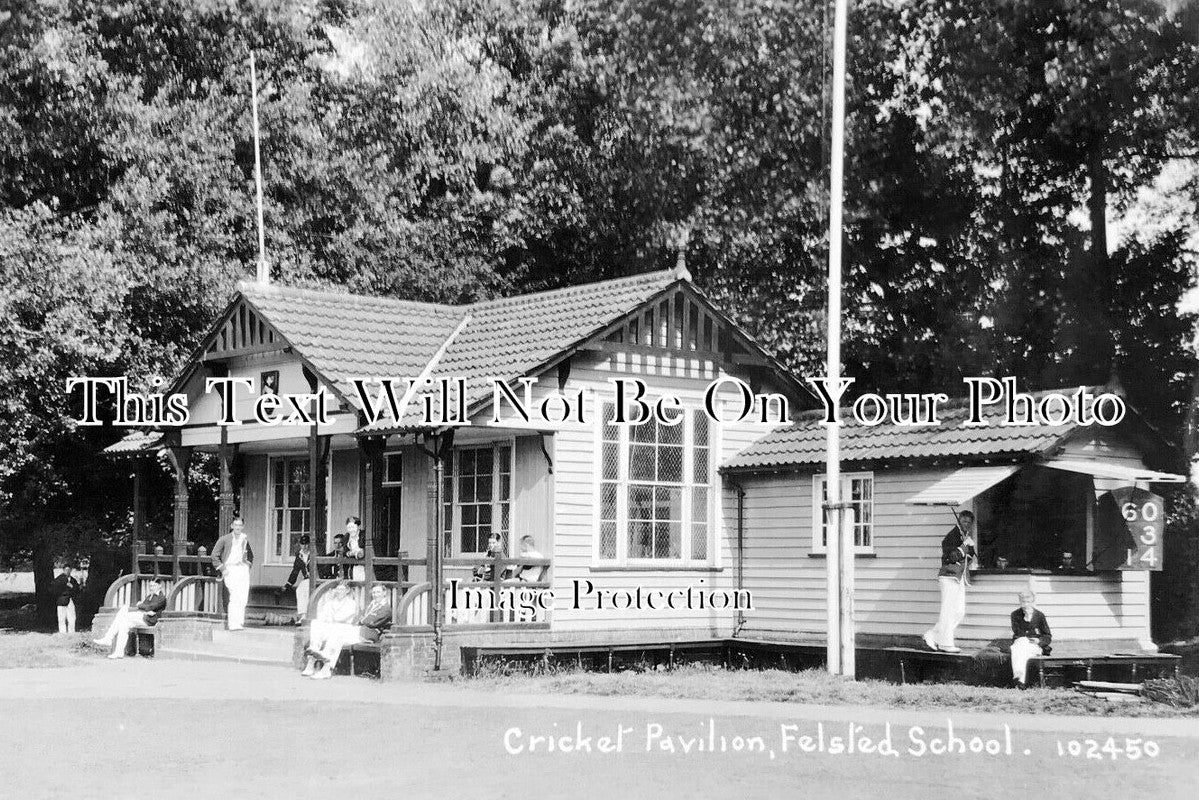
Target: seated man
{"x": 337, "y": 629}
{"x": 1030, "y": 636}
{"x": 144, "y": 615}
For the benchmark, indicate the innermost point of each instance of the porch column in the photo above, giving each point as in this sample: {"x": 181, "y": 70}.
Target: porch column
{"x": 370, "y": 496}
{"x": 318, "y": 453}
{"x": 179, "y": 457}
{"x": 139, "y": 510}
{"x": 441, "y": 450}
{"x": 225, "y": 455}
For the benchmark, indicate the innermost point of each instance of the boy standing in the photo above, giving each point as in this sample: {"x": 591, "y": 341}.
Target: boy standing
{"x": 65, "y": 588}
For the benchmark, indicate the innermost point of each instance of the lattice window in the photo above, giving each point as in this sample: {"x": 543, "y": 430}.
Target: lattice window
{"x": 655, "y": 490}
{"x": 291, "y": 504}
{"x": 477, "y": 495}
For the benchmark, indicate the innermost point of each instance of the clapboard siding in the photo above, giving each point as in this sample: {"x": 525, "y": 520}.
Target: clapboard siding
{"x": 896, "y": 592}
{"x": 343, "y": 493}
{"x": 254, "y": 512}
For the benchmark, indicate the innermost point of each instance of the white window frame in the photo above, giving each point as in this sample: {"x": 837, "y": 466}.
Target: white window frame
{"x": 847, "y": 479}
{"x": 272, "y": 557}
{"x": 622, "y": 482}
{"x": 454, "y": 522}
{"x": 388, "y": 480}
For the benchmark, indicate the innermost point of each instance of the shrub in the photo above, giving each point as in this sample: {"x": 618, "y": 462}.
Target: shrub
{"x": 1180, "y": 692}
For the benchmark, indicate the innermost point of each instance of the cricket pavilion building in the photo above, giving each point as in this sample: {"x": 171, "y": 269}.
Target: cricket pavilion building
{"x": 650, "y": 535}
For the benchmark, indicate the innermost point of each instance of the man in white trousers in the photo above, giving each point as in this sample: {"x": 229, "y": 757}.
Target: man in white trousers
{"x": 65, "y": 589}
{"x": 232, "y": 557}
{"x": 957, "y": 551}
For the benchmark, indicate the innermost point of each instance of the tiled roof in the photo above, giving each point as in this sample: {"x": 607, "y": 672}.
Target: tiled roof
{"x": 803, "y": 444}
{"x": 353, "y": 336}
{"x": 135, "y": 443}
{"x": 511, "y": 337}
{"x": 346, "y": 336}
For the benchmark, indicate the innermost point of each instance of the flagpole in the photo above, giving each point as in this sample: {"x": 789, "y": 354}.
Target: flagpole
{"x": 840, "y": 551}
{"x": 264, "y": 274}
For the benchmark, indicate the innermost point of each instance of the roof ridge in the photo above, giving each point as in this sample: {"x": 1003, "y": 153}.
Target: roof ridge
{"x": 253, "y": 287}
{"x": 646, "y": 277}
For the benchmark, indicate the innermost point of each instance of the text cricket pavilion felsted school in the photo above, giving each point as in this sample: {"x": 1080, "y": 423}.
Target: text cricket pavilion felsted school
{"x": 1063, "y": 510}
{"x": 609, "y": 507}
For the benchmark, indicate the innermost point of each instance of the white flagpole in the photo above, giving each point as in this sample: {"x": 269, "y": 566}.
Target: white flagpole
{"x": 839, "y": 558}
{"x": 264, "y": 274}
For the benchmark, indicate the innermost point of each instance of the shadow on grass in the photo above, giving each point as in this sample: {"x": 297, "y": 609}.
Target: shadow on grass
{"x": 26, "y": 643}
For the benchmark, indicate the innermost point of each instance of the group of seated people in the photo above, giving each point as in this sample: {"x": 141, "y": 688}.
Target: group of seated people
{"x": 339, "y": 624}
{"x": 531, "y": 573}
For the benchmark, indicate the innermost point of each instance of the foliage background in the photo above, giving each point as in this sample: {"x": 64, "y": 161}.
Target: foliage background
{"x": 1021, "y": 191}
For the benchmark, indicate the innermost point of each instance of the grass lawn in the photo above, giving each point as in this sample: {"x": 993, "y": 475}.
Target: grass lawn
{"x": 24, "y": 644}
{"x": 817, "y": 687}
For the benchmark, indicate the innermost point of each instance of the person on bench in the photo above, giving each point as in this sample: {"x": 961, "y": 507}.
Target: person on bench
{"x": 329, "y": 636}
{"x": 144, "y": 615}
{"x": 1030, "y": 636}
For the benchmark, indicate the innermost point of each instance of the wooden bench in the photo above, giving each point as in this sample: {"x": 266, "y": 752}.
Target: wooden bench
{"x": 359, "y": 659}
{"x": 142, "y": 641}
{"x": 914, "y": 663}
{"x": 1053, "y": 669}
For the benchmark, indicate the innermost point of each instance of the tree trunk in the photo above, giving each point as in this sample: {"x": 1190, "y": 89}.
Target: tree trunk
{"x": 43, "y": 575}
{"x": 1096, "y": 347}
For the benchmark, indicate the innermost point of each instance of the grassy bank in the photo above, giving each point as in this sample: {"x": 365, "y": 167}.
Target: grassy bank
{"x": 815, "y": 687}
{"x": 23, "y": 643}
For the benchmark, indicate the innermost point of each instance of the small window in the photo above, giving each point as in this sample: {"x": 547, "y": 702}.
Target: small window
{"x": 393, "y": 469}
{"x": 857, "y": 489}
{"x": 477, "y": 497}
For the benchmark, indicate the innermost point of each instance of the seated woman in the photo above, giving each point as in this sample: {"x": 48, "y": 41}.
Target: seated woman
{"x": 340, "y": 625}
{"x": 144, "y": 615}
{"x": 1030, "y": 636}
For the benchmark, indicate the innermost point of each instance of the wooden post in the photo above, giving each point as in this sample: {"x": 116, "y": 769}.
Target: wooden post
{"x": 442, "y": 450}
{"x": 432, "y": 540}
{"x": 139, "y": 510}
{"x": 225, "y": 455}
{"x": 180, "y": 457}
{"x": 370, "y": 496}
{"x": 320, "y": 497}
{"x": 316, "y": 482}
